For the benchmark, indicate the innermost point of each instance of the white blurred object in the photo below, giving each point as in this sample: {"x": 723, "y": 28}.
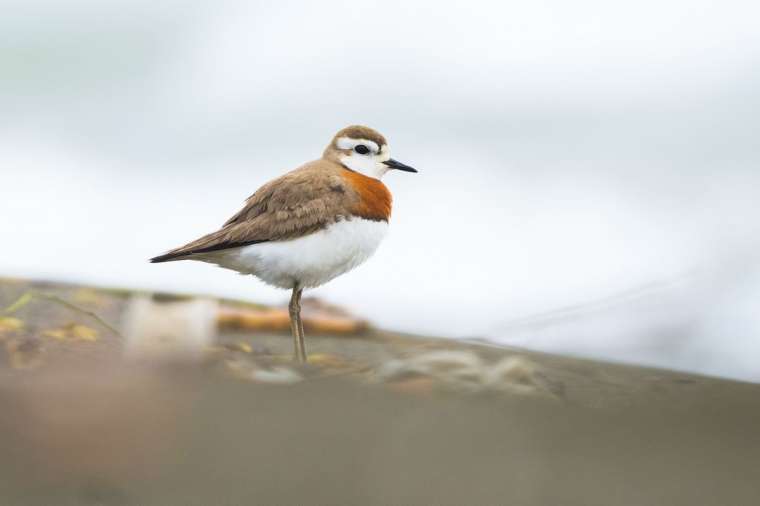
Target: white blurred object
{"x": 169, "y": 330}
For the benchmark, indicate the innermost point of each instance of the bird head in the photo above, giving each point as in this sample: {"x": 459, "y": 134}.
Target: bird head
{"x": 364, "y": 150}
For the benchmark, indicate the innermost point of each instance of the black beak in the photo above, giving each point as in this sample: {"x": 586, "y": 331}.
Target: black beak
{"x": 394, "y": 164}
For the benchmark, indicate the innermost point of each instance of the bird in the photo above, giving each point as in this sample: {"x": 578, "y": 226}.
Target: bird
{"x": 309, "y": 225}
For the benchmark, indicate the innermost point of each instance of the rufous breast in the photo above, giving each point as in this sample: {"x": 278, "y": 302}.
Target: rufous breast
{"x": 374, "y": 202}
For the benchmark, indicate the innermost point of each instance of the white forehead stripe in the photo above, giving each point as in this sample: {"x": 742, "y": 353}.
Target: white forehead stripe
{"x": 349, "y": 143}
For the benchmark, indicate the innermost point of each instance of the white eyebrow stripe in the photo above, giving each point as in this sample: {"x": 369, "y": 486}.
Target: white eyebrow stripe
{"x": 349, "y": 143}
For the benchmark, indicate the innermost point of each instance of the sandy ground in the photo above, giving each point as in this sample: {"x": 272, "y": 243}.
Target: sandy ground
{"x": 376, "y": 418}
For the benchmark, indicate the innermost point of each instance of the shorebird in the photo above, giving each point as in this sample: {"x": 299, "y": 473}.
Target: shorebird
{"x": 310, "y": 225}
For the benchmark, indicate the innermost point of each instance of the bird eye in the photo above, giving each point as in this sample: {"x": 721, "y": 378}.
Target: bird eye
{"x": 361, "y": 149}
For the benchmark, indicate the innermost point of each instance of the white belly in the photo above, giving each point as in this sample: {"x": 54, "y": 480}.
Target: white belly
{"x": 308, "y": 261}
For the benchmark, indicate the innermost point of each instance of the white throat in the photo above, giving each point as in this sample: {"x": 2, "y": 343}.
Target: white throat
{"x": 364, "y": 165}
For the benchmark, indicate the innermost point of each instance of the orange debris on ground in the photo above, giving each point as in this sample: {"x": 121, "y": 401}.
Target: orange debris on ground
{"x": 318, "y": 317}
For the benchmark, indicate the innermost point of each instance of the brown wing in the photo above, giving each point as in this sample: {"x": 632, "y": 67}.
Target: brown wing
{"x": 296, "y": 204}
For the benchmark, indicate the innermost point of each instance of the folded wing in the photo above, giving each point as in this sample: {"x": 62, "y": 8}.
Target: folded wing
{"x": 294, "y": 205}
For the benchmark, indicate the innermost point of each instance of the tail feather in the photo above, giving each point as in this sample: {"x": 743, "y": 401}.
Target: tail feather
{"x": 186, "y": 252}
{"x": 168, "y": 257}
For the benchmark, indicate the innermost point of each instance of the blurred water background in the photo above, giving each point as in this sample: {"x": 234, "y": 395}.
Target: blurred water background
{"x": 588, "y": 170}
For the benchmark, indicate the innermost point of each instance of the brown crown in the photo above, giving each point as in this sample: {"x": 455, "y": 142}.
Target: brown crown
{"x": 360, "y": 132}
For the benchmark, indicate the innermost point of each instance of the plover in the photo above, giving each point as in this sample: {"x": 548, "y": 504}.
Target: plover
{"x": 310, "y": 225}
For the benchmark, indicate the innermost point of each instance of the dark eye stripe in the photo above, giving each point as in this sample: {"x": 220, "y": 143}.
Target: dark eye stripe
{"x": 361, "y": 149}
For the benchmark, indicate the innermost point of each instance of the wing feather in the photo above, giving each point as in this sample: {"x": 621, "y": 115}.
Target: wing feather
{"x": 299, "y": 203}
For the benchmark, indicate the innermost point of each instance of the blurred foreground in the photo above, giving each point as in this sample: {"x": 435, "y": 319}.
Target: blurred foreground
{"x": 121, "y": 398}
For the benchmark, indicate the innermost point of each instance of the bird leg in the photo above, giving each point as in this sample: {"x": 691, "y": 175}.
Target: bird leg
{"x": 296, "y": 325}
